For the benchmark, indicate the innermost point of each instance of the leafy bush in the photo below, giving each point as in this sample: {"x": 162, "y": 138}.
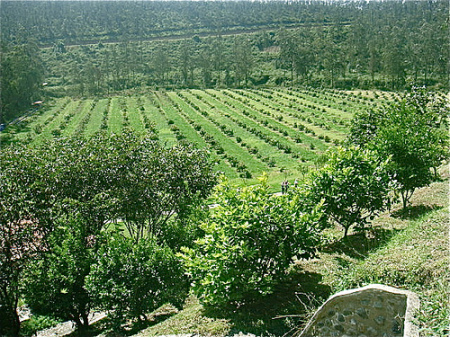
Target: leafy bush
{"x": 250, "y": 240}
{"x": 55, "y": 283}
{"x": 413, "y": 132}
{"x": 354, "y": 185}
{"x": 133, "y": 278}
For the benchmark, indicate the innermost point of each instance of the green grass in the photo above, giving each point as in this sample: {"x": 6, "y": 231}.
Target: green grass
{"x": 159, "y": 118}
{"x": 75, "y": 121}
{"x": 95, "y": 121}
{"x": 115, "y": 121}
{"x": 134, "y": 115}
{"x": 264, "y": 122}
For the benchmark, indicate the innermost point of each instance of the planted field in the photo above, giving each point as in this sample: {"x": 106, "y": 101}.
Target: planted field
{"x": 248, "y": 132}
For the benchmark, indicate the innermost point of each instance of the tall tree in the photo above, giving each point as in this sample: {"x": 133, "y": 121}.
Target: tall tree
{"x": 243, "y": 61}
{"x": 22, "y": 75}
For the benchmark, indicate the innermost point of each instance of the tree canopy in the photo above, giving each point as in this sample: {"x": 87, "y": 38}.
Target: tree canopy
{"x": 58, "y": 198}
{"x": 412, "y": 132}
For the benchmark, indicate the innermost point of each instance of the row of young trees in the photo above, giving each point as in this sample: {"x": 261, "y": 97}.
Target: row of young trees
{"x": 386, "y": 45}
{"x": 253, "y": 236}
{"x": 62, "y": 250}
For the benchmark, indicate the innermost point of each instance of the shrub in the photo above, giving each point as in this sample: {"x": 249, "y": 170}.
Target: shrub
{"x": 354, "y": 185}
{"x": 55, "y": 283}
{"x": 250, "y": 240}
{"x": 37, "y": 323}
{"x": 133, "y": 278}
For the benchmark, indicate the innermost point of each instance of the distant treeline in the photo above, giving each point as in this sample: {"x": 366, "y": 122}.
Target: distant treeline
{"x": 80, "y": 21}
{"x": 95, "y": 48}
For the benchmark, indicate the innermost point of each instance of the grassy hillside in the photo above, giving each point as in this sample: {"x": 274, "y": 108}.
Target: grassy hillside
{"x": 279, "y": 131}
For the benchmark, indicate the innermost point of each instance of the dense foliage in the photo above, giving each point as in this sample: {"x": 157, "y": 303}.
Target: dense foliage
{"x": 131, "y": 279}
{"x": 26, "y": 201}
{"x": 413, "y": 132}
{"x": 57, "y": 200}
{"x": 22, "y": 75}
{"x": 56, "y": 283}
{"x": 249, "y": 241}
{"x": 354, "y": 186}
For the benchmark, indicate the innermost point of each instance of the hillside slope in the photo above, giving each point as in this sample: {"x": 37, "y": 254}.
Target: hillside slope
{"x": 409, "y": 250}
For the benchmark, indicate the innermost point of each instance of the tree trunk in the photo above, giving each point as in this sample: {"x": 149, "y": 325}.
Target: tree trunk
{"x": 346, "y": 231}
{"x": 15, "y": 328}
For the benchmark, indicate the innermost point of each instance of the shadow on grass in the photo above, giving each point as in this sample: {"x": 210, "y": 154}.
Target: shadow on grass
{"x": 359, "y": 244}
{"x": 414, "y": 212}
{"x": 281, "y": 313}
{"x": 107, "y": 328}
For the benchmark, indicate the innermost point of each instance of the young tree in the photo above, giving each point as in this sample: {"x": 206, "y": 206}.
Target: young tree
{"x": 56, "y": 282}
{"x": 413, "y": 133}
{"x": 354, "y": 186}
{"x": 131, "y": 279}
{"x": 249, "y": 241}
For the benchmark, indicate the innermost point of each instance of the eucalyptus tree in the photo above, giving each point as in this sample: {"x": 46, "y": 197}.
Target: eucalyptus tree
{"x": 21, "y": 79}
{"x": 186, "y": 62}
{"x": 161, "y": 64}
{"x": 243, "y": 61}
{"x": 205, "y": 64}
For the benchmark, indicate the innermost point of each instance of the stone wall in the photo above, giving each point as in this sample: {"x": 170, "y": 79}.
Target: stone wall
{"x": 372, "y": 311}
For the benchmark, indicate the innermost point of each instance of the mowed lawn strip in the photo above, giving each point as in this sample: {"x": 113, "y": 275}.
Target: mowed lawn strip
{"x": 280, "y": 157}
{"x": 156, "y": 115}
{"x": 95, "y": 121}
{"x": 255, "y": 107}
{"x": 75, "y": 121}
{"x": 134, "y": 115}
{"x": 115, "y": 120}
{"x": 255, "y": 120}
{"x": 229, "y": 144}
{"x": 327, "y": 117}
{"x": 54, "y": 124}
{"x": 38, "y": 120}
{"x": 199, "y": 141}
{"x": 230, "y": 148}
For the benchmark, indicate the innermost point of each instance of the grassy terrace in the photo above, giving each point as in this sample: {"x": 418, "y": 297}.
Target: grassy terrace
{"x": 279, "y": 131}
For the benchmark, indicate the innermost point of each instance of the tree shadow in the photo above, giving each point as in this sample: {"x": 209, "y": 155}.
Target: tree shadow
{"x": 414, "y": 212}
{"x": 108, "y": 328}
{"x": 359, "y": 244}
{"x": 280, "y": 313}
